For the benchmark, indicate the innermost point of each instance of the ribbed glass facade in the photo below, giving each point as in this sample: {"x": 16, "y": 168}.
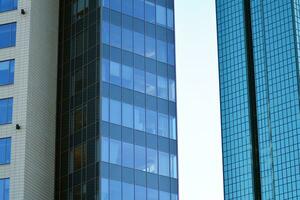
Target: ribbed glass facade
{"x": 258, "y": 45}
{"x": 117, "y": 122}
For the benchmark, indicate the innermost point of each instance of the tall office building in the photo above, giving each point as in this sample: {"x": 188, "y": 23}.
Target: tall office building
{"x": 116, "y": 101}
{"x": 88, "y": 85}
{"x": 258, "y": 44}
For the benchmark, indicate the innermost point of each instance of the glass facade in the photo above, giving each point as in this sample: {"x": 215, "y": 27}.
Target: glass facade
{"x": 4, "y": 189}
{"x": 117, "y": 121}
{"x": 258, "y": 45}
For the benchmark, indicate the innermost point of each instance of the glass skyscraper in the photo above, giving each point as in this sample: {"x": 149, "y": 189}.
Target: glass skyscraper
{"x": 258, "y": 46}
{"x": 116, "y": 116}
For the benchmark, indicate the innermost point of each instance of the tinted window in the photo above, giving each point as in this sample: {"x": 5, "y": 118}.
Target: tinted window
{"x": 127, "y": 155}
{"x": 127, "y": 115}
{"x": 5, "y": 150}
{"x": 115, "y": 110}
{"x": 6, "y": 5}
{"x": 7, "y": 35}
{"x": 4, "y": 189}
{"x": 115, "y": 151}
{"x": 139, "y": 118}
{"x": 127, "y": 77}
{"x": 7, "y": 72}
{"x": 6, "y": 109}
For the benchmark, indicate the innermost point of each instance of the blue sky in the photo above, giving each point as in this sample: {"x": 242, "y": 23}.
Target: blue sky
{"x": 200, "y": 155}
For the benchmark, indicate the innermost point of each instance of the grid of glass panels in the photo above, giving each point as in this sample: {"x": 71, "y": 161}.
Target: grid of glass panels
{"x": 138, "y": 101}
{"x": 7, "y": 5}
{"x": 5, "y": 151}
{"x": 4, "y": 189}
{"x": 236, "y": 134}
{"x": 7, "y": 69}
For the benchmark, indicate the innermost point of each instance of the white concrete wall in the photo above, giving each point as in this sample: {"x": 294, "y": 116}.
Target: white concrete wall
{"x": 31, "y": 170}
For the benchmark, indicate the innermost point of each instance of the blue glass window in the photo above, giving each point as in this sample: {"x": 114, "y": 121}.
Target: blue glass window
{"x": 128, "y": 191}
{"x": 152, "y": 161}
{"x": 115, "y": 152}
{"x": 164, "y": 195}
{"x": 151, "y": 122}
{"x": 150, "y": 47}
{"x": 161, "y": 15}
{"x": 115, "y": 5}
{"x": 7, "y": 35}
{"x": 139, "y": 118}
{"x": 163, "y": 125}
{"x": 161, "y": 51}
{"x": 162, "y": 87}
{"x": 105, "y": 70}
{"x": 4, "y": 189}
{"x": 138, "y": 8}
{"x": 127, "y": 33}
{"x": 140, "y": 192}
{"x": 115, "y": 112}
{"x": 105, "y": 109}
{"x": 150, "y": 11}
{"x": 105, "y": 149}
{"x": 173, "y": 165}
{"x": 127, "y": 77}
{"x": 115, "y": 190}
{"x": 174, "y": 197}
{"x": 6, "y": 109}
{"x": 7, "y": 72}
{"x": 140, "y": 158}
{"x": 104, "y": 189}
{"x": 170, "y": 18}
{"x": 164, "y": 164}
{"x": 115, "y": 30}
{"x": 5, "y": 150}
{"x": 173, "y": 130}
{"x": 7, "y": 5}
{"x": 139, "y": 37}
{"x": 171, "y": 53}
{"x": 105, "y": 32}
{"x": 172, "y": 90}
{"x": 115, "y": 73}
{"x": 139, "y": 80}
{"x": 150, "y": 84}
{"x": 128, "y": 155}
{"x": 127, "y": 115}
{"x": 152, "y": 194}
{"x": 127, "y": 7}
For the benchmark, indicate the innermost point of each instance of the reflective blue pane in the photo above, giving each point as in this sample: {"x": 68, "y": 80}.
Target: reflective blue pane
{"x": 115, "y": 35}
{"x": 171, "y": 53}
{"x": 127, "y": 39}
{"x": 139, "y": 118}
{"x": 151, "y": 122}
{"x": 115, "y": 111}
{"x": 4, "y": 189}
{"x": 2, "y": 150}
{"x": 163, "y": 125}
{"x": 139, "y": 43}
{"x": 170, "y": 18}
{"x": 127, "y": 115}
{"x": 164, "y": 166}
{"x": 128, "y": 155}
{"x": 138, "y": 8}
{"x": 105, "y": 3}
{"x": 161, "y": 15}
{"x": 172, "y": 90}
{"x": 150, "y": 11}
{"x": 140, "y": 158}
{"x": 4, "y": 72}
{"x": 140, "y": 192}
{"x": 105, "y": 70}
{"x": 7, "y": 35}
{"x": 139, "y": 80}
{"x": 152, "y": 194}
{"x": 7, "y": 5}
{"x": 150, "y": 84}
{"x": 115, "y": 5}
{"x": 105, "y": 32}
{"x": 115, "y": 73}
{"x": 152, "y": 161}
{"x": 173, "y": 127}
{"x": 6, "y": 111}
{"x": 105, "y": 109}
{"x": 115, "y": 190}
{"x": 173, "y": 165}
{"x": 127, "y": 77}
{"x": 127, "y": 7}
{"x": 115, "y": 152}
{"x": 162, "y": 87}
{"x": 164, "y": 195}
{"x": 105, "y": 149}
{"x": 128, "y": 191}
{"x": 161, "y": 51}
{"x": 104, "y": 189}
{"x": 150, "y": 47}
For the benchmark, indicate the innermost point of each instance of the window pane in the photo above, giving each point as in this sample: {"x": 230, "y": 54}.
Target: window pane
{"x": 105, "y": 3}
{"x": 105, "y": 70}
{"x": 5, "y": 149}
{"x": 139, "y": 47}
{"x": 6, "y": 111}
{"x": 164, "y": 164}
{"x": 172, "y": 90}
{"x": 115, "y": 152}
{"x": 104, "y": 189}
{"x": 162, "y": 87}
{"x": 127, "y": 77}
{"x": 139, "y": 80}
{"x": 173, "y": 134}
{"x": 127, "y": 115}
{"x": 164, "y": 195}
{"x": 115, "y": 111}
{"x": 152, "y": 164}
{"x": 149, "y": 11}
{"x": 115, "y": 73}
{"x": 152, "y": 194}
{"x": 139, "y": 118}
{"x": 115, "y": 5}
{"x": 6, "y": 5}
{"x": 163, "y": 125}
{"x": 140, "y": 192}
{"x": 115, "y": 35}
{"x": 127, "y": 7}
{"x": 140, "y": 158}
{"x": 105, "y": 149}
{"x": 171, "y": 53}
{"x": 161, "y": 51}
{"x": 173, "y": 163}
{"x": 127, "y": 155}
{"x": 170, "y": 18}
{"x": 105, "y": 109}
{"x": 4, "y": 189}
{"x": 138, "y": 8}
{"x": 128, "y": 191}
{"x": 151, "y": 122}
{"x": 161, "y": 15}
{"x": 150, "y": 47}
{"x": 105, "y": 32}
{"x": 127, "y": 39}
{"x": 151, "y": 84}
{"x": 7, "y": 35}
{"x": 174, "y": 197}
{"x": 6, "y": 72}
{"x": 115, "y": 190}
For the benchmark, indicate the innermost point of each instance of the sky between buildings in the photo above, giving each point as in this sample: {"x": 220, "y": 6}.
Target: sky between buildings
{"x": 200, "y": 154}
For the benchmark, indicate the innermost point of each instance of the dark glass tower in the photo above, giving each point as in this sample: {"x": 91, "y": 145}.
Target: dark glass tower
{"x": 258, "y": 44}
{"x": 116, "y": 127}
